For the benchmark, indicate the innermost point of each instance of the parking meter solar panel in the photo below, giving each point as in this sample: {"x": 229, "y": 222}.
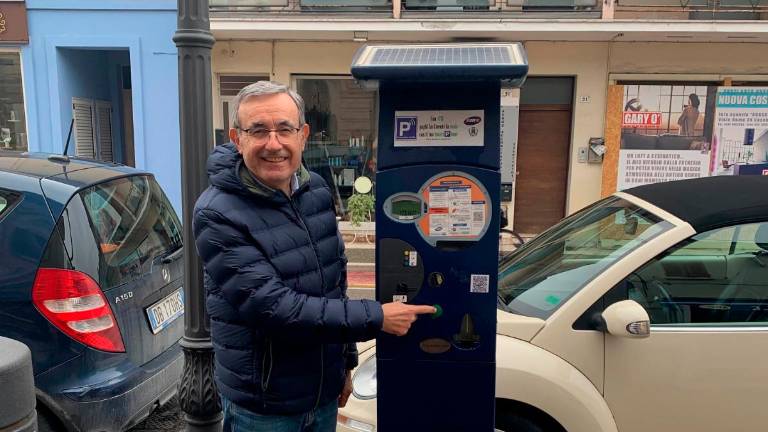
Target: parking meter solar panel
{"x": 442, "y": 62}
{"x": 442, "y": 56}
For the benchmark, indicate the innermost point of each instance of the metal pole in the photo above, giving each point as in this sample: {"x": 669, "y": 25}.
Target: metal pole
{"x": 198, "y": 396}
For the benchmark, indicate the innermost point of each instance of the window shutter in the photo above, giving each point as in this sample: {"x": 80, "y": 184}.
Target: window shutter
{"x": 82, "y": 112}
{"x": 104, "y": 130}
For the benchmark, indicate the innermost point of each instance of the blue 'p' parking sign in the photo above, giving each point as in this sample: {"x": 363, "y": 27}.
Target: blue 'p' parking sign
{"x": 406, "y": 127}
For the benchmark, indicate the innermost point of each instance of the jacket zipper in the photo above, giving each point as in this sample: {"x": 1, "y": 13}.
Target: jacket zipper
{"x": 266, "y": 373}
{"x": 322, "y": 290}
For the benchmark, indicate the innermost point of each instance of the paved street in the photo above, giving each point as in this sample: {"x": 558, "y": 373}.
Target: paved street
{"x": 165, "y": 418}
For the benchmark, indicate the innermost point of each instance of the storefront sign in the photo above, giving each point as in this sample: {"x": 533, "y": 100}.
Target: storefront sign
{"x": 741, "y": 131}
{"x": 449, "y": 128}
{"x": 665, "y": 133}
{"x": 640, "y": 167}
{"x": 13, "y": 22}
{"x": 633, "y": 119}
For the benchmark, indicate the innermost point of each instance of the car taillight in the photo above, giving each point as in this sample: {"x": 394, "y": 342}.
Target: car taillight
{"x": 74, "y": 303}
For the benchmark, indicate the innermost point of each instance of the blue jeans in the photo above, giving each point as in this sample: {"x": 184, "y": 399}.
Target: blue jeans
{"x": 239, "y": 419}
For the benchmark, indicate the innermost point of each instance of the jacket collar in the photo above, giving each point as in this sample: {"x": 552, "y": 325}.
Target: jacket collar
{"x": 226, "y": 170}
{"x": 256, "y": 187}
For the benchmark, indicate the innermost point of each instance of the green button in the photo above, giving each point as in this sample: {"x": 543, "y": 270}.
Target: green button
{"x": 438, "y": 311}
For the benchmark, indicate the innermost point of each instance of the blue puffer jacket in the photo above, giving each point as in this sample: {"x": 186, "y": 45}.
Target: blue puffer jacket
{"x": 275, "y": 281}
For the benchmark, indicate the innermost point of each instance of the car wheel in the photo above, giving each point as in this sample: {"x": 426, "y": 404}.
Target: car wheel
{"x": 515, "y": 423}
{"x": 47, "y": 422}
{"x": 514, "y": 416}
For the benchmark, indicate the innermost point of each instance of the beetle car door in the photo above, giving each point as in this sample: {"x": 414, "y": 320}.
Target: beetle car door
{"x": 704, "y": 366}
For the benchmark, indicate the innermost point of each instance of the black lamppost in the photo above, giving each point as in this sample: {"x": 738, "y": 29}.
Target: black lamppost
{"x": 197, "y": 394}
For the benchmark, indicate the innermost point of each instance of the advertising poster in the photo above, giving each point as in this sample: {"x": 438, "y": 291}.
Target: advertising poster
{"x": 740, "y": 142}
{"x": 666, "y": 131}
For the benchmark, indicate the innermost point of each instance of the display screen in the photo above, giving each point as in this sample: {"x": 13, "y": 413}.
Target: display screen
{"x": 406, "y": 209}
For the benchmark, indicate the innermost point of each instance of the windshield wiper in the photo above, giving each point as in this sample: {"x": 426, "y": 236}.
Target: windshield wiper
{"x": 172, "y": 254}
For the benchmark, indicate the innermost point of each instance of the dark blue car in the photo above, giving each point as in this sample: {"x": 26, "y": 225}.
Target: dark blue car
{"x": 91, "y": 281}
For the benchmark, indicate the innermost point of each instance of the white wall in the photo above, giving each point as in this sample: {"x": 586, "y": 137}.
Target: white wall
{"x": 689, "y": 58}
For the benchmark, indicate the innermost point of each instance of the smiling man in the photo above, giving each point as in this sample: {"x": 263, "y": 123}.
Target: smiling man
{"x": 282, "y": 327}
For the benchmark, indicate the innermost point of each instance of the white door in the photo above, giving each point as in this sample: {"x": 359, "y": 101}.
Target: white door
{"x": 85, "y": 141}
{"x": 704, "y": 367}
{"x": 103, "y": 122}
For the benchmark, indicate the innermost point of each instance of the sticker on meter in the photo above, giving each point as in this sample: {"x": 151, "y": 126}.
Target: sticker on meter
{"x": 479, "y": 283}
{"x": 458, "y": 208}
{"x": 397, "y": 298}
{"x": 410, "y": 259}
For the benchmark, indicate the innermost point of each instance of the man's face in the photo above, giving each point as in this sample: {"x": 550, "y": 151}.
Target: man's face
{"x": 275, "y": 159}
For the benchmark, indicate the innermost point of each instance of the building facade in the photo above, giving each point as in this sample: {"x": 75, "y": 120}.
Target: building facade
{"x": 584, "y": 56}
{"x": 106, "y": 70}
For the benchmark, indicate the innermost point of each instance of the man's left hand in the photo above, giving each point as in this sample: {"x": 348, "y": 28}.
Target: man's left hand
{"x": 346, "y": 391}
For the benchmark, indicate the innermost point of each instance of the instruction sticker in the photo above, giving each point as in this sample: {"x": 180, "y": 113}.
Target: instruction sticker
{"x": 449, "y": 128}
{"x": 479, "y": 283}
{"x": 457, "y": 208}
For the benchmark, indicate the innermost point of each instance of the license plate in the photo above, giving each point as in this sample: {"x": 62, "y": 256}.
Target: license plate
{"x": 164, "y": 312}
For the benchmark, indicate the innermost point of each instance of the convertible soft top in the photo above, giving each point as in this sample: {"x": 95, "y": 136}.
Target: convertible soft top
{"x": 710, "y": 202}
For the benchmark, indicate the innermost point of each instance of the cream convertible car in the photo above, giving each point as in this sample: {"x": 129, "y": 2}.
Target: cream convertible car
{"x": 575, "y": 351}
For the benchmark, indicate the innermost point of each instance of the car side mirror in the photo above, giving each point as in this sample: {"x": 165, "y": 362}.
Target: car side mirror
{"x": 626, "y": 319}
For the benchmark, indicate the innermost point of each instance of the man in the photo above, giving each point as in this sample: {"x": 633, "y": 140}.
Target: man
{"x": 283, "y": 330}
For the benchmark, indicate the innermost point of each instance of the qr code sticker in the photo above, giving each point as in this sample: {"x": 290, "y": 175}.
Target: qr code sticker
{"x": 479, "y": 283}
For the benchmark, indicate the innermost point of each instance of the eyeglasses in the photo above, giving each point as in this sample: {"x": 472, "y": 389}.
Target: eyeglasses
{"x": 285, "y": 134}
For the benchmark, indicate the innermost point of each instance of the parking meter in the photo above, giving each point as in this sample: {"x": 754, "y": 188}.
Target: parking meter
{"x": 437, "y": 226}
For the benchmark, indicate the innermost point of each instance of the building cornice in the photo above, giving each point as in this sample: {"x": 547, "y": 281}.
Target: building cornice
{"x": 302, "y": 26}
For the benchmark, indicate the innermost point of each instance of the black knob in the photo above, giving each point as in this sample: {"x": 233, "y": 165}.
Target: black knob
{"x": 466, "y": 338}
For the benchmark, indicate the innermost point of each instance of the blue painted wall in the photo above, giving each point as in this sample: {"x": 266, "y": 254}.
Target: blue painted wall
{"x": 56, "y": 63}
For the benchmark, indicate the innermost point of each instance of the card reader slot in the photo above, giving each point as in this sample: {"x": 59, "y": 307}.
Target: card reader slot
{"x": 454, "y": 246}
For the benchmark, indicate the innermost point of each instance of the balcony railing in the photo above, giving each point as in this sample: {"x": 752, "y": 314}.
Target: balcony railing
{"x": 300, "y": 5}
{"x": 691, "y": 9}
{"x": 464, "y": 9}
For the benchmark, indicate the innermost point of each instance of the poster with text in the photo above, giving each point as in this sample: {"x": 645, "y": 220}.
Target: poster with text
{"x": 740, "y": 142}
{"x": 666, "y": 133}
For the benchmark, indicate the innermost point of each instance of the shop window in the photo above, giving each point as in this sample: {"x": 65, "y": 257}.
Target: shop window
{"x": 342, "y": 142}
{"x": 13, "y": 131}
{"x": 229, "y": 87}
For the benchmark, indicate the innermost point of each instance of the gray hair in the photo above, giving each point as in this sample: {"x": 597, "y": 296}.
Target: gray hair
{"x": 263, "y": 88}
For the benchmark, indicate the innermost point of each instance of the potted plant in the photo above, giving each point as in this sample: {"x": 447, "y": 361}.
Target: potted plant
{"x": 359, "y": 207}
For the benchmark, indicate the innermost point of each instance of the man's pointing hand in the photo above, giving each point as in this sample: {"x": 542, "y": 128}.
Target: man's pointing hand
{"x": 398, "y": 317}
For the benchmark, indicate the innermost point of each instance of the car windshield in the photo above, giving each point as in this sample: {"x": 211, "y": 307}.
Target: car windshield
{"x": 546, "y": 272}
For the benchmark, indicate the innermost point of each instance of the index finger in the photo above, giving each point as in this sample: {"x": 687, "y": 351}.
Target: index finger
{"x": 423, "y": 309}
